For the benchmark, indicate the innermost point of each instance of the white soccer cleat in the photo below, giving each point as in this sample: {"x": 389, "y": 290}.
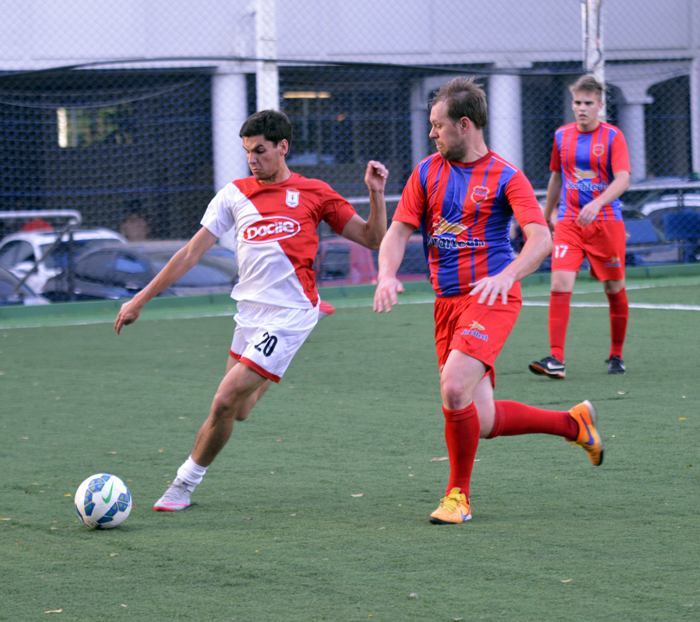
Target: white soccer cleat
{"x": 177, "y": 497}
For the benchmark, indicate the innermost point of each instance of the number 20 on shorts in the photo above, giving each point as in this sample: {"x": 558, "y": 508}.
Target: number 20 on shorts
{"x": 267, "y": 345}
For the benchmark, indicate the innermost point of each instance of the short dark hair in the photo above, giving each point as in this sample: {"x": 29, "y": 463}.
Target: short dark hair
{"x": 464, "y": 98}
{"x": 271, "y": 124}
{"x": 588, "y": 84}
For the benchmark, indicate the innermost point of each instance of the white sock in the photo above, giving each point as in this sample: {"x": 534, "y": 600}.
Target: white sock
{"x": 190, "y": 472}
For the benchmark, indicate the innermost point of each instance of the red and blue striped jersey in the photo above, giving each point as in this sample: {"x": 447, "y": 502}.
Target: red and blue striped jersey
{"x": 588, "y": 162}
{"x": 464, "y": 211}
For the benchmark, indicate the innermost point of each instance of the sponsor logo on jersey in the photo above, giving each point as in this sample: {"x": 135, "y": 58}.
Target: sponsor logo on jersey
{"x": 475, "y": 325}
{"x": 598, "y": 150}
{"x": 580, "y": 174}
{"x": 581, "y": 182}
{"x": 442, "y": 227}
{"x": 479, "y": 194}
{"x": 271, "y": 229}
{"x": 292, "y": 198}
{"x": 448, "y": 243}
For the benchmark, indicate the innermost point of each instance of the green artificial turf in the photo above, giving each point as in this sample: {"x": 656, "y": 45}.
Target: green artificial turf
{"x": 279, "y": 531}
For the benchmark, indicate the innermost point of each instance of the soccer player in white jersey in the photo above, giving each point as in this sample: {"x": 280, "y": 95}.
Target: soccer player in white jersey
{"x": 276, "y": 213}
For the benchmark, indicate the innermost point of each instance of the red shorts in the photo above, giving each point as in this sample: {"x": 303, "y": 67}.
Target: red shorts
{"x": 602, "y": 243}
{"x": 480, "y": 331}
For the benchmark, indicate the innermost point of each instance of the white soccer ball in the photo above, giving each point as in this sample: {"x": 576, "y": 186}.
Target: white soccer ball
{"x": 103, "y": 501}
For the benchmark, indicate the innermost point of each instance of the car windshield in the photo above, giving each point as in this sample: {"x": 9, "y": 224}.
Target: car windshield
{"x": 59, "y": 256}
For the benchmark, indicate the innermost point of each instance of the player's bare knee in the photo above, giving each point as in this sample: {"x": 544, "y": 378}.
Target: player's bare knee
{"x": 225, "y": 406}
{"x": 454, "y": 393}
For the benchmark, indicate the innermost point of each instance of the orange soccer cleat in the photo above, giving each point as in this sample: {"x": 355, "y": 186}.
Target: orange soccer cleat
{"x": 588, "y": 437}
{"x": 454, "y": 508}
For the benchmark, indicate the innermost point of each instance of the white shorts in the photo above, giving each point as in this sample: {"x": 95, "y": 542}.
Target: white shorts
{"x": 267, "y": 337}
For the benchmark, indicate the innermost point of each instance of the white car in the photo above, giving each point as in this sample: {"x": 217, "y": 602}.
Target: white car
{"x": 19, "y": 252}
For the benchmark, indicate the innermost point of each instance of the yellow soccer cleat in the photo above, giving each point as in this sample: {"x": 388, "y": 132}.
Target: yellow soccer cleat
{"x": 588, "y": 437}
{"x": 454, "y": 508}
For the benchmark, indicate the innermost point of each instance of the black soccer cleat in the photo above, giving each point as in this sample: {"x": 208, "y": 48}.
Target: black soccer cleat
{"x": 549, "y": 366}
{"x": 616, "y": 365}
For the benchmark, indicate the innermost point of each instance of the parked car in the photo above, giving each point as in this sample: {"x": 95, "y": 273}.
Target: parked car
{"x": 124, "y": 270}
{"x": 11, "y": 294}
{"x": 673, "y": 207}
{"x": 19, "y": 252}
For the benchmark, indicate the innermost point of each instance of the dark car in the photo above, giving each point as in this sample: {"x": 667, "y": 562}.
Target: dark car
{"x": 673, "y": 207}
{"x": 124, "y": 270}
{"x": 11, "y": 294}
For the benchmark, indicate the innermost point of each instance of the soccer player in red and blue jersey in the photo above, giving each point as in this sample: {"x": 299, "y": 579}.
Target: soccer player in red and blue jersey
{"x": 590, "y": 170}
{"x": 463, "y": 198}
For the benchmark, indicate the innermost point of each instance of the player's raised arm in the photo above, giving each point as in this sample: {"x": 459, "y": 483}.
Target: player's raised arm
{"x": 370, "y": 233}
{"x": 178, "y": 265}
{"x": 391, "y": 253}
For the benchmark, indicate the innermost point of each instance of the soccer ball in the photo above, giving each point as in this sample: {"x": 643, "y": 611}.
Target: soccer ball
{"x": 103, "y": 501}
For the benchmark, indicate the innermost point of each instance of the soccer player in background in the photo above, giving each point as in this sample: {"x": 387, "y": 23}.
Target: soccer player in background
{"x": 590, "y": 170}
{"x": 276, "y": 213}
{"x": 463, "y": 198}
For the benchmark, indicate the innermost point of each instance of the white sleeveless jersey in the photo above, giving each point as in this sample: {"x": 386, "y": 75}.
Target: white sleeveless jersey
{"x": 276, "y": 237}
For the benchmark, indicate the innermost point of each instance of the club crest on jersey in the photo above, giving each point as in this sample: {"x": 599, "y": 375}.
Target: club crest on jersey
{"x": 479, "y": 194}
{"x": 292, "y": 198}
{"x": 271, "y": 229}
{"x": 598, "y": 150}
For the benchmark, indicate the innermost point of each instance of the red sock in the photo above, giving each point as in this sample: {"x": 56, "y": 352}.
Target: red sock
{"x": 558, "y": 322}
{"x": 514, "y": 418}
{"x": 619, "y": 314}
{"x": 462, "y": 435}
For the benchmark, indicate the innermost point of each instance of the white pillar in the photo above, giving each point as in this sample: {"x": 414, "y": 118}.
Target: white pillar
{"x": 266, "y": 74}
{"x": 505, "y": 118}
{"x": 695, "y": 114}
{"x": 632, "y": 126}
{"x": 593, "y": 50}
{"x": 419, "y": 123}
{"x": 229, "y": 111}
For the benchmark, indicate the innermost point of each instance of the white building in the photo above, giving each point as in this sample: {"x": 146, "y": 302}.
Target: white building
{"x": 195, "y": 66}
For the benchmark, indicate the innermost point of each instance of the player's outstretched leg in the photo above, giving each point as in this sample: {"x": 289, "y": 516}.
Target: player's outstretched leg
{"x": 454, "y": 508}
{"x": 588, "y": 437}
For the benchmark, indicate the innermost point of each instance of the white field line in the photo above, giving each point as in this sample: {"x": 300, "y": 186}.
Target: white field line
{"x": 627, "y": 288}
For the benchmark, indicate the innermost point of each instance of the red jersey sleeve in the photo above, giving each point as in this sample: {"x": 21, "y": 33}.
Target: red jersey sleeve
{"x": 523, "y": 202}
{"x": 412, "y": 205}
{"x": 555, "y": 161}
{"x": 620, "y": 158}
{"x": 335, "y": 210}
